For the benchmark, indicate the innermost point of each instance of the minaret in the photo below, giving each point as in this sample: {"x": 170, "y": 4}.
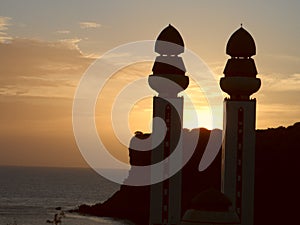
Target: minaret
{"x": 168, "y": 79}
{"x": 239, "y": 124}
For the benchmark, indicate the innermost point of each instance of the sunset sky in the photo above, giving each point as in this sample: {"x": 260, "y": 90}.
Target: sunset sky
{"x": 46, "y": 46}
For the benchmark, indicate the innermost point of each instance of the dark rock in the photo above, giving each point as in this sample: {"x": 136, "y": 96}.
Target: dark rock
{"x": 276, "y": 174}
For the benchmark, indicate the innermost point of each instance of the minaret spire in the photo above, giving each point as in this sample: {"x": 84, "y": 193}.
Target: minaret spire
{"x": 238, "y": 149}
{"x": 168, "y": 79}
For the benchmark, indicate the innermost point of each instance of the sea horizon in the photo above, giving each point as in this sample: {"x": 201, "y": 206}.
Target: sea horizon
{"x": 31, "y": 195}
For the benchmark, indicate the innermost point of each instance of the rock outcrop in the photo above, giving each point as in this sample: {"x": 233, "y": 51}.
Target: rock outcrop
{"x": 276, "y": 174}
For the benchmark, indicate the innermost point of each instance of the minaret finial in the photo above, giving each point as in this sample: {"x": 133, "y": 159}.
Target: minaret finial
{"x": 241, "y": 24}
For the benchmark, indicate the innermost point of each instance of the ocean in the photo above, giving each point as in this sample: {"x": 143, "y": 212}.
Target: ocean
{"x": 30, "y": 195}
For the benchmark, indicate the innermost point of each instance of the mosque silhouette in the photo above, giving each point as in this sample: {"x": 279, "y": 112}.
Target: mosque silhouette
{"x": 224, "y": 192}
{"x": 237, "y": 180}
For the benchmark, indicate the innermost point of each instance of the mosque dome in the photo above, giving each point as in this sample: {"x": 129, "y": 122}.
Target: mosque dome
{"x": 169, "y": 42}
{"x": 241, "y": 44}
{"x": 208, "y": 208}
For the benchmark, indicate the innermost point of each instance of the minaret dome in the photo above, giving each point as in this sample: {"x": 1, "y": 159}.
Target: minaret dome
{"x": 240, "y": 71}
{"x": 170, "y": 35}
{"x": 168, "y": 77}
{"x": 241, "y": 44}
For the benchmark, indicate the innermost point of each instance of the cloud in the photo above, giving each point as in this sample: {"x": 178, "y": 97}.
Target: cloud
{"x": 37, "y": 84}
{"x": 217, "y": 67}
{"x": 278, "y": 100}
{"x": 71, "y": 43}
{"x": 281, "y": 83}
{"x": 39, "y": 68}
{"x": 5, "y": 39}
{"x": 87, "y": 25}
{"x": 4, "y": 23}
{"x": 63, "y": 32}
{"x": 276, "y": 114}
{"x": 277, "y": 64}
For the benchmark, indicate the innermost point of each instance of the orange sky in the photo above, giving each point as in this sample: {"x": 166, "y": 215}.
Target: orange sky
{"x": 46, "y": 47}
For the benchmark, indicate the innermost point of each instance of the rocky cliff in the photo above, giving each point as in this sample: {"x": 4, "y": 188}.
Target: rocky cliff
{"x": 276, "y": 175}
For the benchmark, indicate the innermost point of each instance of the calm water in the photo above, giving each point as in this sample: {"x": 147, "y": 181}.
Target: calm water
{"x": 29, "y": 196}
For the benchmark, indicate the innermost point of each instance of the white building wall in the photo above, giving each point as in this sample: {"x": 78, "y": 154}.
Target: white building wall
{"x": 173, "y": 206}
{"x": 230, "y": 155}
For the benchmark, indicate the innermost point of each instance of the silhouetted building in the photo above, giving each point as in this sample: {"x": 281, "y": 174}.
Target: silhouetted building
{"x": 276, "y": 149}
{"x": 168, "y": 80}
{"x": 238, "y": 150}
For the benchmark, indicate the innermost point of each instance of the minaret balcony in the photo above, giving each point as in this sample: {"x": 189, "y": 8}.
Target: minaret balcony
{"x": 168, "y": 85}
{"x": 240, "y": 87}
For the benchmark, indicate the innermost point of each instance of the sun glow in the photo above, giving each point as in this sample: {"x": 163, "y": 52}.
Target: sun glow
{"x": 140, "y": 117}
{"x": 196, "y": 111}
{"x": 203, "y": 118}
